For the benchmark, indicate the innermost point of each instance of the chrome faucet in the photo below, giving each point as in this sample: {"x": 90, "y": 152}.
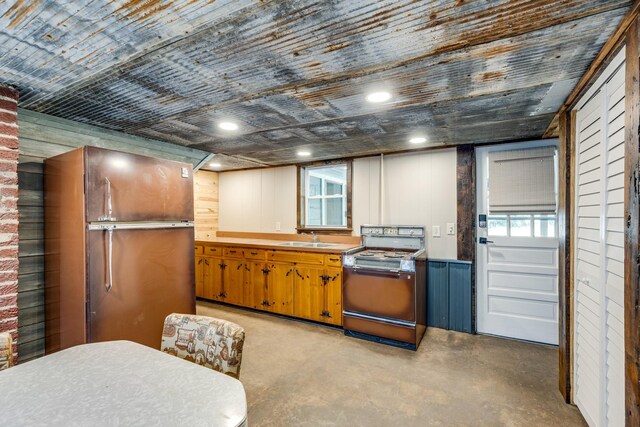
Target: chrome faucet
{"x": 313, "y": 236}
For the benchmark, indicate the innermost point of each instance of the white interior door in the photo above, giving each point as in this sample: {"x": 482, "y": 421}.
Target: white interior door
{"x": 599, "y": 251}
{"x": 517, "y": 269}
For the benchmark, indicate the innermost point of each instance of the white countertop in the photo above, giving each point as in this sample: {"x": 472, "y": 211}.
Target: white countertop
{"x": 118, "y": 383}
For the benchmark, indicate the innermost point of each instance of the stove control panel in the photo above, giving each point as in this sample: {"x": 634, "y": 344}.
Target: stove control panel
{"x": 392, "y": 230}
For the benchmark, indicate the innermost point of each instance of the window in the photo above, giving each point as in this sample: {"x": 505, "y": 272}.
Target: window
{"x": 534, "y": 225}
{"x": 325, "y": 194}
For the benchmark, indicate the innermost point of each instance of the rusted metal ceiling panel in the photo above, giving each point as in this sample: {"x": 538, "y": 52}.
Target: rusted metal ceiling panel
{"x": 294, "y": 73}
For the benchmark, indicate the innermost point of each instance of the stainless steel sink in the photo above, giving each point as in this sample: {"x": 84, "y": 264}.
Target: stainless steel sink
{"x": 307, "y": 244}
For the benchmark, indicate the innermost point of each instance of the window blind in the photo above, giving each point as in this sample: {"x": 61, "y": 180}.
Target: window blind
{"x": 522, "y": 181}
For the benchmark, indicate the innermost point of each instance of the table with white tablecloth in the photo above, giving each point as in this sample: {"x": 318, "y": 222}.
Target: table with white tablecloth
{"x": 118, "y": 383}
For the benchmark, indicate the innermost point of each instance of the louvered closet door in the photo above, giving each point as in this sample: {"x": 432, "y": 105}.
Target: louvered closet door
{"x": 614, "y": 250}
{"x": 599, "y": 256}
{"x": 587, "y": 332}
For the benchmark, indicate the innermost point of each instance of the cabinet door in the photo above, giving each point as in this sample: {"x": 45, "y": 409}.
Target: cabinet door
{"x": 247, "y": 288}
{"x": 200, "y": 276}
{"x": 257, "y": 281}
{"x": 308, "y": 292}
{"x": 280, "y": 288}
{"x": 332, "y": 296}
{"x": 233, "y": 280}
{"x": 213, "y": 279}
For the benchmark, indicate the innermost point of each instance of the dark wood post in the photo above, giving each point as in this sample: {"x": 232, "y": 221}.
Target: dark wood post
{"x": 632, "y": 222}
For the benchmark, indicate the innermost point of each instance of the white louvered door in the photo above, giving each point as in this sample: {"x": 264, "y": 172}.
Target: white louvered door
{"x": 599, "y": 255}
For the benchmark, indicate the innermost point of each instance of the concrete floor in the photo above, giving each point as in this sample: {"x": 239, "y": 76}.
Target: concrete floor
{"x": 300, "y": 374}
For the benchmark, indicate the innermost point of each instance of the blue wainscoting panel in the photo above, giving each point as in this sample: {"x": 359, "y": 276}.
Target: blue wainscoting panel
{"x": 438, "y": 294}
{"x": 449, "y": 295}
{"x": 460, "y": 297}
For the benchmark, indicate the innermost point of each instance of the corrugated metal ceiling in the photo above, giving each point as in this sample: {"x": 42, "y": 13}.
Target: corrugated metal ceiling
{"x": 293, "y": 74}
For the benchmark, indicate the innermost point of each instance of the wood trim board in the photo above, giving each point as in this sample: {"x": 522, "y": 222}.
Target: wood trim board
{"x": 632, "y": 229}
{"x": 566, "y": 148}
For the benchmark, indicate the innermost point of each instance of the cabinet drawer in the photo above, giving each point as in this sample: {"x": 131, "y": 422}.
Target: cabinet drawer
{"x": 257, "y": 254}
{"x": 333, "y": 260}
{"x": 212, "y": 250}
{"x": 199, "y": 250}
{"x": 232, "y": 253}
{"x": 297, "y": 257}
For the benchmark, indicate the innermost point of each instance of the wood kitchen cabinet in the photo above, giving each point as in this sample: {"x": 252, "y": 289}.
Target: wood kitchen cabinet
{"x": 233, "y": 281}
{"x": 308, "y": 292}
{"x": 200, "y": 275}
{"x": 307, "y": 285}
{"x": 332, "y": 297}
{"x": 280, "y": 288}
{"x": 214, "y": 279}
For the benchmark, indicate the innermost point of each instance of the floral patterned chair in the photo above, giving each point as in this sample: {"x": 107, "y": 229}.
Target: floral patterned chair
{"x": 209, "y": 342}
{"x": 6, "y": 351}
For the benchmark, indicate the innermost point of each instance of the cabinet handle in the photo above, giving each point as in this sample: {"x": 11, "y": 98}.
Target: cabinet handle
{"x": 200, "y": 261}
{"x": 334, "y": 259}
{"x": 206, "y": 262}
{"x": 299, "y": 275}
{"x": 289, "y": 272}
{"x": 246, "y": 268}
{"x": 239, "y": 267}
{"x": 253, "y": 253}
{"x": 232, "y": 252}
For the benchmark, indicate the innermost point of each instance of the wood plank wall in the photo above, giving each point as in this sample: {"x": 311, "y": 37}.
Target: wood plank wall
{"x": 205, "y": 199}
{"x": 43, "y": 136}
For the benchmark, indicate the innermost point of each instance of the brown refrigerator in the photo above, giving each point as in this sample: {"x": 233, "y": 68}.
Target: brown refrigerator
{"x": 118, "y": 246}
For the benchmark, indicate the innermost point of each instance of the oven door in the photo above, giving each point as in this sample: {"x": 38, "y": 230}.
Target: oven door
{"x": 379, "y": 293}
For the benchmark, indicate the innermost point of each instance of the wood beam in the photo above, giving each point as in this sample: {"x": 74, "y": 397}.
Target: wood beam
{"x": 632, "y": 229}
{"x": 566, "y": 153}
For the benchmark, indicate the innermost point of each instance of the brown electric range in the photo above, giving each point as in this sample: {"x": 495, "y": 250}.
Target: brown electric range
{"x": 384, "y": 286}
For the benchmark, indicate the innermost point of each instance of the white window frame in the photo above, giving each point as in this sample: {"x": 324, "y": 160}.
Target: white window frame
{"x": 323, "y": 197}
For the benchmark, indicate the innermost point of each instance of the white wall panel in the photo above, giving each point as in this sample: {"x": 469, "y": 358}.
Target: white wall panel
{"x": 419, "y": 189}
{"x": 254, "y": 200}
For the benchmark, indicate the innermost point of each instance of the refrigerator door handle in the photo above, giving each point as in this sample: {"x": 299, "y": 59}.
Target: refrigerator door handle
{"x": 109, "y": 209}
{"x": 109, "y": 282}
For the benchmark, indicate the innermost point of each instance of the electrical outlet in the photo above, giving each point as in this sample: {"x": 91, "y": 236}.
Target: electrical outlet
{"x": 277, "y": 225}
{"x": 451, "y": 228}
{"x": 435, "y": 231}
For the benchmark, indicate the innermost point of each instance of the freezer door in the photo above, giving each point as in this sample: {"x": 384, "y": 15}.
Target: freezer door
{"x": 128, "y": 187}
{"x": 152, "y": 275}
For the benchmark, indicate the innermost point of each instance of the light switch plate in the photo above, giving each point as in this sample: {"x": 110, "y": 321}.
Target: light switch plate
{"x": 185, "y": 172}
{"x": 435, "y": 231}
{"x": 278, "y": 226}
{"x": 451, "y": 228}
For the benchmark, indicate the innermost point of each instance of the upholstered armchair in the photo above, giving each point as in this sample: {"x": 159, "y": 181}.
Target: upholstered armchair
{"x": 6, "y": 351}
{"x": 214, "y": 343}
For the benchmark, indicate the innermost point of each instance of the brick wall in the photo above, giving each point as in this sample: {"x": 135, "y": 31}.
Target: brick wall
{"x": 9, "y": 213}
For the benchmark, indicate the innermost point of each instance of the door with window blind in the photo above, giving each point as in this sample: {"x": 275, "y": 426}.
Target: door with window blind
{"x": 599, "y": 254}
{"x": 517, "y": 250}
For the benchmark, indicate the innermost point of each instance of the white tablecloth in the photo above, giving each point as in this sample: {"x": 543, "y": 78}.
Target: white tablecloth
{"x": 118, "y": 383}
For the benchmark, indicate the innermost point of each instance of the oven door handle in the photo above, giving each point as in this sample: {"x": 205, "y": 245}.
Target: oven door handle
{"x": 375, "y": 271}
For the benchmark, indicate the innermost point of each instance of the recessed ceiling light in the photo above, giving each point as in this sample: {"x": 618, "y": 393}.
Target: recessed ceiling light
{"x": 304, "y": 153}
{"x": 228, "y": 126}
{"x": 418, "y": 140}
{"x": 215, "y": 165}
{"x": 378, "y": 96}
